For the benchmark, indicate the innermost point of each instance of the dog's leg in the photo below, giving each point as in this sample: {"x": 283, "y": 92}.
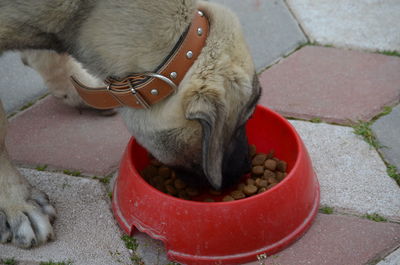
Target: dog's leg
{"x": 56, "y": 69}
{"x": 25, "y": 212}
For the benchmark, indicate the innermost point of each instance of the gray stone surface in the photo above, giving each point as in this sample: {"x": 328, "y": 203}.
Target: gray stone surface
{"x": 392, "y": 259}
{"x": 354, "y": 24}
{"x": 269, "y": 28}
{"x": 387, "y": 130}
{"x": 85, "y": 229}
{"x": 27, "y": 84}
{"x": 150, "y": 250}
{"x": 352, "y": 176}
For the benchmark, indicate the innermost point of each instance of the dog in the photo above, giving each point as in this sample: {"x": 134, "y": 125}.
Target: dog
{"x": 199, "y": 129}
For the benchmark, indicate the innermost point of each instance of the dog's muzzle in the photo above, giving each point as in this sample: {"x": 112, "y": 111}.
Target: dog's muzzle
{"x": 141, "y": 90}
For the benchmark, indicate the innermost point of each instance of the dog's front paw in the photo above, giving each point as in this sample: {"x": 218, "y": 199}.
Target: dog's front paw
{"x": 26, "y": 223}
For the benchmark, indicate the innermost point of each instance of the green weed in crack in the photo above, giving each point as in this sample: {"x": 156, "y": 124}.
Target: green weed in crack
{"x": 132, "y": 245}
{"x": 11, "y": 261}
{"x": 375, "y": 217}
{"x": 326, "y": 210}
{"x": 41, "y": 168}
{"x": 393, "y": 173}
{"x": 363, "y": 129}
{"x": 390, "y": 53}
{"x": 71, "y": 173}
{"x": 57, "y": 263}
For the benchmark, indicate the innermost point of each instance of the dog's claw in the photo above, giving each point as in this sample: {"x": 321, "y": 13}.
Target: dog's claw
{"x": 43, "y": 201}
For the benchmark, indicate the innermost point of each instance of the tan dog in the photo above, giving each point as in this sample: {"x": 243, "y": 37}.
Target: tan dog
{"x": 199, "y": 129}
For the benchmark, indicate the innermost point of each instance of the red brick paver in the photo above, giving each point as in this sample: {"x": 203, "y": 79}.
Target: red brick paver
{"x": 332, "y": 84}
{"x": 340, "y": 240}
{"x": 57, "y": 135}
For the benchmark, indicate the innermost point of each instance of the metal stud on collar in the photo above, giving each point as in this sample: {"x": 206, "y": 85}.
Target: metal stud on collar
{"x": 173, "y": 75}
{"x": 199, "y": 31}
{"x": 154, "y": 92}
{"x": 200, "y": 13}
{"x": 189, "y": 54}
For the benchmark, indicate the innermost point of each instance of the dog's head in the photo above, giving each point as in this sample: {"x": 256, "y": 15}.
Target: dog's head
{"x": 200, "y": 130}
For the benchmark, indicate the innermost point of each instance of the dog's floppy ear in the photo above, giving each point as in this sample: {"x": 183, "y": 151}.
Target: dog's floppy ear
{"x": 206, "y": 107}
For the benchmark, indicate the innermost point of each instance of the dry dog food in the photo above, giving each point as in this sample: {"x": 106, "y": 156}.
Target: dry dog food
{"x": 266, "y": 172}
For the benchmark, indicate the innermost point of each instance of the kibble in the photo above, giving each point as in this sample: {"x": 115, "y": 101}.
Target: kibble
{"x": 270, "y": 164}
{"x": 149, "y": 172}
{"x": 272, "y": 180}
{"x": 250, "y": 181}
{"x": 261, "y": 183}
{"x": 261, "y": 190}
{"x": 155, "y": 163}
{"x": 280, "y": 176}
{"x": 281, "y": 166}
{"x": 171, "y": 189}
{"x": 258, "y": 170}
{"x": 179, "y": 184}
{"x": 269, "y": 174}
{"x": 252, "y": 150}
{"x": 271, "y": 154}
{"x": 164, "y": 172}
{"x": 168, "y": 182}
{"x": 259, "y": 159}
{"x": 266, "y": 172}
{"x": 227, "y": 198}
{"x": 238, "y": 194}
{"x": 250, "y": 190}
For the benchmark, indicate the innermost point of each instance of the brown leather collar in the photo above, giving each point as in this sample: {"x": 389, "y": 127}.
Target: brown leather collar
{"x": 141, "y": 90}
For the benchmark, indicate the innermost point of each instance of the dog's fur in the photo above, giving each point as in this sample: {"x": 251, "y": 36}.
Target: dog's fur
{"x": 200, "y": 129}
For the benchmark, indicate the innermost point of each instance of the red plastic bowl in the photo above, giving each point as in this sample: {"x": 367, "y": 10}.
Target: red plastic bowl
{"x": 224, "y": 232}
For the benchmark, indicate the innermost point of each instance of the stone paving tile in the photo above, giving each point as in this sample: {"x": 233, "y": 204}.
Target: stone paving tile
{"x": 354, "y": 24}
{"x": 332, "y": 84}
{"x": 352, "y": 175}
{"x": 85, "y": 228}
{"x": 54, "y": 134}
{"x": 387, "y": 130}
{"x": 269, "y": 28}
{"x": 392, "y": 259}
{"x": 337, "y": 240}
{"x": 331, "y": 240}
{"x": 18, "y": 84}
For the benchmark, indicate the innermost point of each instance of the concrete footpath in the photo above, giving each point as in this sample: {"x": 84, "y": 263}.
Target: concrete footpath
{"x": 331, "y": 67}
